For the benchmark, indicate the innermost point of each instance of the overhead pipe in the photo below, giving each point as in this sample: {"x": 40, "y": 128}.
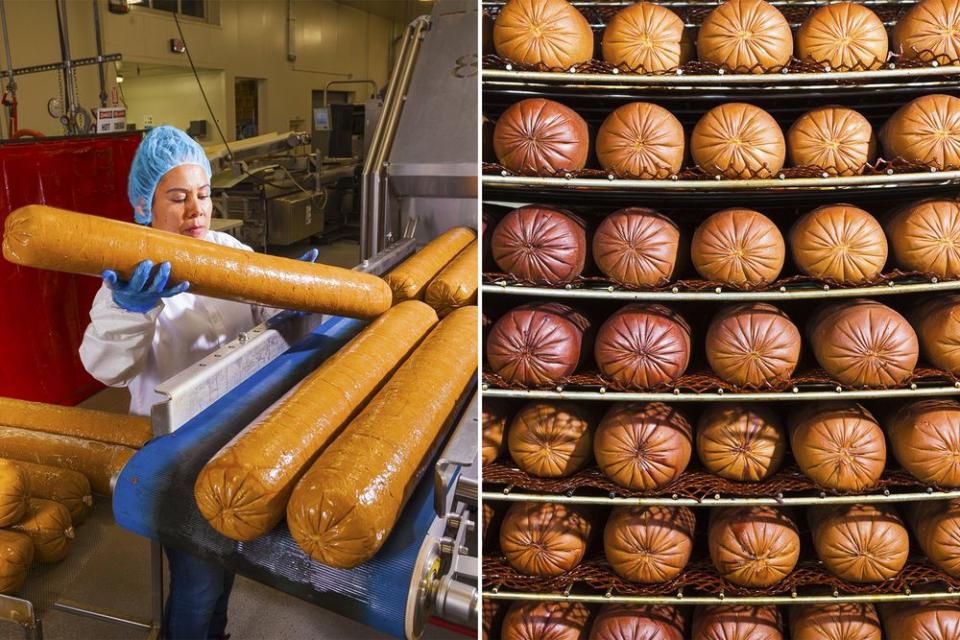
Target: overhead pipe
{"x": 10, "y": 94}
{"x": 100, "y": 70}
{"x": 291, "y": 33}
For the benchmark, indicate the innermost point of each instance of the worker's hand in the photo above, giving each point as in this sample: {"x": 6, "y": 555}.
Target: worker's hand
{"x": 142, "y": 292}
{"x": 310, "y": 256}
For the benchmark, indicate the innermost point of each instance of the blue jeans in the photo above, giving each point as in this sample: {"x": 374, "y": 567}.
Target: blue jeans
{"x": 197, "y": 604}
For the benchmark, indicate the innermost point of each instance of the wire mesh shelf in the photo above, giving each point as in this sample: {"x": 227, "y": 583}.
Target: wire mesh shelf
{"x": 792, "y": 288}
{"x": 593, "y": 578}
{"x": 697, "y": 488}
{"x": 814, "y": 384}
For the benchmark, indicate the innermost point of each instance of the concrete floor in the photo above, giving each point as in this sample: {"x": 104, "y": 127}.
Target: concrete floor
{"x": 109, "y": 567}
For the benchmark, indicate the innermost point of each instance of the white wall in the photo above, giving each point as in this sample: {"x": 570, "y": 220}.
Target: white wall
{"x": 333, "y": 42}
{"x": 174, "y": 99}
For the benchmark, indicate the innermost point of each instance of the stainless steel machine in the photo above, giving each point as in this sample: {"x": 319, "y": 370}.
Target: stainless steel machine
{"x": 421, "y": 170}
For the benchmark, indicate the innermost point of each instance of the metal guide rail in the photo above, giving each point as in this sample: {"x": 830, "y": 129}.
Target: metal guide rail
{"x": 887, "y": 497}
{"x": 804, "y": 291}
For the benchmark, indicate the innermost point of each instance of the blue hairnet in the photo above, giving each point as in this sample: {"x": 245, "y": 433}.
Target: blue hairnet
{"x": 162, "y": 149}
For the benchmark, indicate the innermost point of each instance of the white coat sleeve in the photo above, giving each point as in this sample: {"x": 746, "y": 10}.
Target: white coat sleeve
{"x": 116, "y": 343}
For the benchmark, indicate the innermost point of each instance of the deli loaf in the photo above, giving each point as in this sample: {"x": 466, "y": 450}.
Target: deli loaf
{"x": 545, "y": 621}
{"x": 545, "y": 538}
{"x": 111, "y": 428}
{"x": 637, "y": 622}
{"x": 859, "y": 543}
{"x": 737, "y": 622}
{"x": 543, "y": 32}
{"x": 496, "y": 415}
{"x": 14, "y": 493}
{"x": 344, "y": 508}
{"x": 753, "y": 546}
{"x": 936, "y": 526}
{"x": 834, "y": 621}
{"x": 47, "y": 238}
{"x": 648, "y": 544}
{"x": 409, "y": 279}
{"x": 69, "y": 488}
{"x": 243, "y": 490}
{"x": 48, "y": 526}
{"x": 456, "y": 285}
{"x": 100, "y": 463}
{"x": 933, "y": 619}
{"x": 16, "y": 556}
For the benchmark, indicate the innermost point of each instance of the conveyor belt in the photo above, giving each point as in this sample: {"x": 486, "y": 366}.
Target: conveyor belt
{"x": 154, "y": 498}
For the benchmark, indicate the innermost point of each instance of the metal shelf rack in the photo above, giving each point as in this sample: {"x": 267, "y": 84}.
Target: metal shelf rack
{"x": 680, "y": 599}
{"x": 595, "y": 89}
{"x": 808, "y": 291}
{"x": 887, "y": 497}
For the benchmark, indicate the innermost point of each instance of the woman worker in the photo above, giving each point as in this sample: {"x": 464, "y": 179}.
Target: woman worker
{"x": 143, "y": 331}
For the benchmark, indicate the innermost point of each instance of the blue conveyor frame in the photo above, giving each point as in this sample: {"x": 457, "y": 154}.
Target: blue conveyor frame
{"x": 154, "y": 498}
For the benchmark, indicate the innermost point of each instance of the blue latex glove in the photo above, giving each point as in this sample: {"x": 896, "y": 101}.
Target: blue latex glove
{"x": 142, "y": 292}
{"x": 310, "y": 256}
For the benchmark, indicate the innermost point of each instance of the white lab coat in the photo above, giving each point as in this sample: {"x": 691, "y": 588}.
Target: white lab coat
{"x": 140, "y": 350}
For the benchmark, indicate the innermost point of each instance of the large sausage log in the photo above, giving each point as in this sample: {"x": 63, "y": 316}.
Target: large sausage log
{"x": 545, "y": 538}
{"x": 933, "y": 619}
{"x": 112, "y": 428}
{"x": 16, "y": 556}
{"x": 243, "y": 490}
{"x": 456, "y": 285}
{"x": 48, "y": 526}
{"x": 936, "y": 525}
{"x": 859, "y": 543}
{"x": 14, "y": 493}
{"x": 345, "y": 506}
{"x": 834, "y": 621}
{"x": 49, "y": 238}
{"x": 411, "y": 276}
{"x": 69, "y": 488}
{"x": 98, "y": 461}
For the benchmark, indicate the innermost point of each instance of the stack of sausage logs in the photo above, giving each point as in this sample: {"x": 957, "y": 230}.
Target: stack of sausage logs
{"x": 853, "y": 342}
{"x": 407, "y": 367}
{"x": 339, "y": 455}
{"x": 52, "y": 460}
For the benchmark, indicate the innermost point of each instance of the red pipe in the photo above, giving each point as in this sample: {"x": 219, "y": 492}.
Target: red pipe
{"x": 456, "y": 628}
